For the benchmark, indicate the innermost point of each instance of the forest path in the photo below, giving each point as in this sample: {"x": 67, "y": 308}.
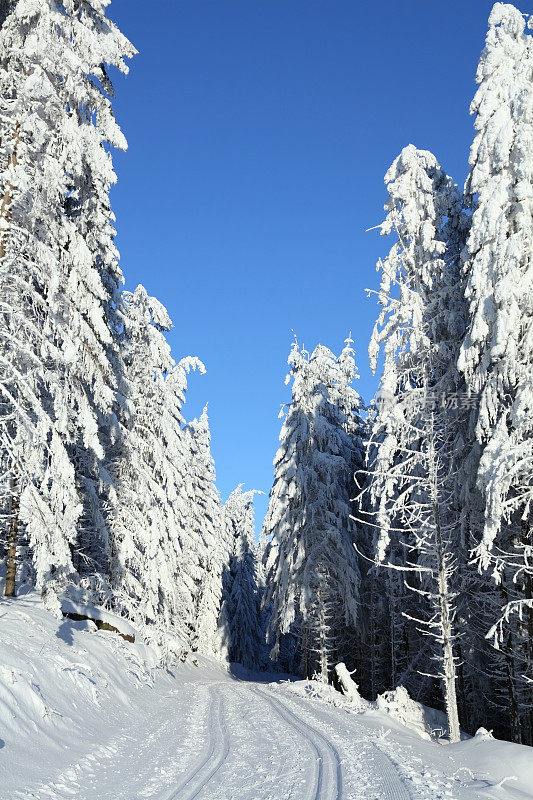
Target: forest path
{"x": 86, "y": 715}
{"x": 224, "y": 739}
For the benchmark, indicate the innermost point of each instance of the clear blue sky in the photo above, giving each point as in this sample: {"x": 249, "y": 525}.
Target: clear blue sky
{"x": 259, "y": 133}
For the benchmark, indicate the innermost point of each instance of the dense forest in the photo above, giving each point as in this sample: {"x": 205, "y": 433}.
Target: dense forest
{"x": 399, "y": 532}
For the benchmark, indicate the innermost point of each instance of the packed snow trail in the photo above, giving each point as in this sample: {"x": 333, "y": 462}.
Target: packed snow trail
{"x": 327, "y": 778}
{"x": 231, "y": 739}
{"x": 86, "y": 715}
{"x": 216, "y": 740}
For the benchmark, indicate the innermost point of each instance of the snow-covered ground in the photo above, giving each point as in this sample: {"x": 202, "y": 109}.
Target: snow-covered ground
{"x": 87, "y": 715}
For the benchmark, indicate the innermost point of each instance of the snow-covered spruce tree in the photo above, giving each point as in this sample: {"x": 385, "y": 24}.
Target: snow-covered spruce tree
{"x": 312, "y": 580}
{"x": 206, "y": 550}
{"x": 57, "y": 265}
{"x": 94, "y": 275}
{"x": 150, "y": 513}
{"x": 241, "y": 609}
{"x": 415, "y": 432}
{"x": 497, "y": 353}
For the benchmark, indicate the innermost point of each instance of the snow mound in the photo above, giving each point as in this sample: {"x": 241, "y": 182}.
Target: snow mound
{"x": 426, "y": 723}
{"x": 502, "y": 764}
{"x": 92, "y": 613}
{"x": 63, "y": 680}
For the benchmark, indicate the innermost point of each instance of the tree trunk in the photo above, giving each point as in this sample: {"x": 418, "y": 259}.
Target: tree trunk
{"x": 12, "y": 542}
{"x": 445, "y": 613}
{"x": 392, "y": 630}
{"x": 324, "y": 672}
{"x": 461, "y": 690}
{"x": 324, "y": 645}
{"x": 305, "y": 652}
{"x": 527, "y": 538}
{"x": 373, "y": 642}
{"x": 7, "y": 198}
{"x": 514, "y": 714}
{"x": 449, "y": 677}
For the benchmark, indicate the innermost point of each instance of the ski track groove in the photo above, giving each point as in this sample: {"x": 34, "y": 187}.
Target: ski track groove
{"x": 394, "y": 786}
{"x": 216, "y": 752}
{"x": 323, "y": 790}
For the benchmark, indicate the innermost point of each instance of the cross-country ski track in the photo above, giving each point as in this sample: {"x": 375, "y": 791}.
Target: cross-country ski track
{"x": 218, "y": 740}
{"x": 86, "y": 715}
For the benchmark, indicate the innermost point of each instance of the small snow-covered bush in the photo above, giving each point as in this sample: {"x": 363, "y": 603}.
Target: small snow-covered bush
{"x": 401, "y": 707}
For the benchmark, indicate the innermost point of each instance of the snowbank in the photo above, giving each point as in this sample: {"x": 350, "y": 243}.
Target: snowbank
{"x": 92, "y": 613}
{"x": 63, "y": 683}
{"x": 509, "y": 765}
{"x": 396, "y": 705}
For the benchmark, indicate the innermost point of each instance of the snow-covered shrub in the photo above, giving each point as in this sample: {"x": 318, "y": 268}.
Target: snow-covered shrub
{"x": 403, "y": 708}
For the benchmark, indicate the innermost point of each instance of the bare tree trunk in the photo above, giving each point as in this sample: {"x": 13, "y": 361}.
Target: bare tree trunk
{"x": 12, "y": 542}
{"x": 373, "y": 642}
{"x": 445, "y": 613}
{"x": 449, "y": 677}
{"x": 514, "y": 713}
{"x": 322, "y": 639}
{"x": 324, "y": 671}
{"x": 527, "y": 537}
{"x": 305, "y": 651}
{"x": 392, "y": 630}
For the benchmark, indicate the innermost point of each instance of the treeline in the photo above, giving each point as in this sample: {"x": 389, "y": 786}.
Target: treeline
{"x": 428, "y": 582}
{"x": 398, "y": 537}
{"x": 106, "y": 493}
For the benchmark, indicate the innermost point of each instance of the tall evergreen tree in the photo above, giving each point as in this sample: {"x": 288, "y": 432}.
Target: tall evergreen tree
{"x": 150, "y": 465}
{"x": 58, "y": 270}
{"x": 312, "y": 569}
{"x": 416, "y": 430}
{"x": 497, "y": 352}
{"x": 208, "y": 545}
{"x": 241, "y": 610}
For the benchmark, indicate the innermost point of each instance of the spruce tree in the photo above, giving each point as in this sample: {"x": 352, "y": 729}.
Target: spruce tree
{"x": 241, "y": 609}
{"x": 497, "y": 352}
{"x": 150, "y": 465}
{"x": 312, "y": 581}
{"x": 496, "y": 355}
{"x": 208, "y": 545}
{"x": 59, "y": 273}
{"x": 418, "y": 424}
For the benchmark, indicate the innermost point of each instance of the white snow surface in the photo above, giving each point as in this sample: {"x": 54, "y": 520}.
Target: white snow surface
{"x": 87, "y": 715}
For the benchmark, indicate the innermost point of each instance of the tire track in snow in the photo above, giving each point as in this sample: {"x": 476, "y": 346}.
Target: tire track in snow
{"x": 216, "y": 752}
{"x": 327, "y": 783}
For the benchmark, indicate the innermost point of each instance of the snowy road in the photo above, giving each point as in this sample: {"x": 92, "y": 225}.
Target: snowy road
{"x": 85, "y": 715}
{"x": 224, "y": 739}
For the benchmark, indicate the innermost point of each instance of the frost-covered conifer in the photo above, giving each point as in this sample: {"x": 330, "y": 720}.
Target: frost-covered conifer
{"x": 207, "y": 548}
{"x": 241, "y": 610}
{"x": 497, "y": 353}
{"x": 417, "y": 425}
{"x": 151, "y": 507}
{"x": 312, "y": 572}
{"x": 58, "y": 268}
